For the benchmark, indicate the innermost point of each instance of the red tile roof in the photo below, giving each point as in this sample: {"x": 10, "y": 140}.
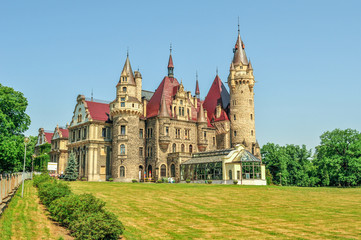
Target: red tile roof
{"x": 167, "y": 89}
{"x": 48, "y": 136}
{"x": 98, "y": 111}
{"x": 217, "y": 94}
{"x": 64, "y": 132}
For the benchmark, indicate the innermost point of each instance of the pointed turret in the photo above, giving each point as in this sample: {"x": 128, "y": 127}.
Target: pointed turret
{"x": 197, "y": 92}
{"x": 201, "y": 117}
{"x": 127, "y": 73}
{"x": 170, "y": 63}
{"x": 163, "y": 112}
{"x": 250, "y": 65}
{"x": 240, "y": 56}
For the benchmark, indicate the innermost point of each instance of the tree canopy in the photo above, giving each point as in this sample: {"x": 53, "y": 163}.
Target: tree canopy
{"x": 13, "y": 123}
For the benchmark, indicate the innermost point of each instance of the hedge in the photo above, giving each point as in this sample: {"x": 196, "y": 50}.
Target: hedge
{"x": 83, "y": 214}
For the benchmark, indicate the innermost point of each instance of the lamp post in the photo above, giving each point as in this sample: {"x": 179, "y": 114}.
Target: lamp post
{"x": 32, "y": 166}
{"x": 26, "y": 140}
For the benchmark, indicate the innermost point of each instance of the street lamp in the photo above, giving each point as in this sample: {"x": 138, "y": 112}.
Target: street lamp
{"x": 32, "y": 166}
{"x": 26, "y": 140}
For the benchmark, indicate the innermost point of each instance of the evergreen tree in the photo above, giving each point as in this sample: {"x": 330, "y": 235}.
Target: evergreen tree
{"x": 71, "y": 171}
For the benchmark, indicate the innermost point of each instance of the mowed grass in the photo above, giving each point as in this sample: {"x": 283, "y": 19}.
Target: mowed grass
{"x": 25, "y": 218}
{"x": 199, "y": 211}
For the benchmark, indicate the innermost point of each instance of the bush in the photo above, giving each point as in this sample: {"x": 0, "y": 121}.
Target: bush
{"x": 67, "y": 209}
{"x": 110, "y": 179}
{"x": 134, "y": 181}
{"x": 52, "y": 190}
{"x": 188, "y": 180}
{"x": 235, "y": 182}
{"x": 209, "y": 181}
{"x": 44, "y": 177}
{"x": 97, "y": 225}
{"x": 159, "y": 181}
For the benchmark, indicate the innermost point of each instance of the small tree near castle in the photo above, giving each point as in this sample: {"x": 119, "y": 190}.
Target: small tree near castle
{"x": 71, "y": 171}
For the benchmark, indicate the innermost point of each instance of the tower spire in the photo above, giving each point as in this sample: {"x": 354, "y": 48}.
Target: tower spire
{"x": 197, "y": 92}
{"x": 170, "y": 63}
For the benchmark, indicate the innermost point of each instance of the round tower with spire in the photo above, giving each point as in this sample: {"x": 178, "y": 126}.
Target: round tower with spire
{"x": 241, "y": 82}
{"x": 125, "y": 112}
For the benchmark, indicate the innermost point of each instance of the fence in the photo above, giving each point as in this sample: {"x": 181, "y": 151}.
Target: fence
{"x": 9, "y": 183}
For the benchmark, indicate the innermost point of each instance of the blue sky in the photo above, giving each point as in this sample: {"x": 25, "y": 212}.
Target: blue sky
{"x": 305, "y": 55}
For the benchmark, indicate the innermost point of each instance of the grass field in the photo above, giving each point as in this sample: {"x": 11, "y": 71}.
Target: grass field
{"x": 199, "y": 211}
{"x": 25, "y": 218}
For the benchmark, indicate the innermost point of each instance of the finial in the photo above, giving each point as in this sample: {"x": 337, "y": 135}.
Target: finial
{"x": 127, "y": 51}
{"x": 238, "y": 25}
{"x": 217, "y": 70}
{"x": 92, "y": 95}
{"x": 170, "y": 48}
{"x": 138, "y": 68}
{"x": 197, "y": 75}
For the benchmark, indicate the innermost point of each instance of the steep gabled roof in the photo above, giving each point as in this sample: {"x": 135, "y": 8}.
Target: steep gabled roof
{"x": 166, "y": 89}
{"x": 217, "y": 94}
{"x": 239, "y": 52}
{"x": 64, "y": 132}
{"x": 48, "y": 136}
{"x": 98, "y": 111}
{"x": 127, "y": 72}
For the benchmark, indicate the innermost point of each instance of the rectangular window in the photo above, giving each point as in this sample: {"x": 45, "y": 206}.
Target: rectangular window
{"x": 84, "y": 133}
{"x": 187, "y": 134}
{"x": 122, "y": 130}
{"x": 151, "y": 132}
{"x": 104, "y": 132}
{"x": 79, "y": 134}
{"x": 140, "y": 133}
{"x": 140, "y": 152}
{"x": 205, "y": 134}
{"x": 177, "y": 133}
{"x": 167, "y": 131}
{"x": 122, "y": 102}
{"x": 214, "y": 141}
{"x": 73, "y": 136}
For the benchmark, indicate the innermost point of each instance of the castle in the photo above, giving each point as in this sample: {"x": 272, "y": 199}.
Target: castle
{"x": 170, "y": 132}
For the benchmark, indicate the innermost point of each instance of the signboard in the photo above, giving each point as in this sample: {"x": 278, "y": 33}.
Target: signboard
{"x": 52, "y": 166}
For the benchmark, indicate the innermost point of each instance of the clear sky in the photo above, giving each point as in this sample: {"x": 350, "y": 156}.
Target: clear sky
{"x": 306, "y": 56}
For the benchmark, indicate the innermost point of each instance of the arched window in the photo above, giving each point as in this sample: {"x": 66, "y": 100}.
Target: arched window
{"x": 251, "y": 117}
{"x": 190, "y": 148}
{"x": 251, "y": 132}
{"x": 230, "y": 174}
{"x": 122, "y": 149}
{"x": 172, "y": 170}
{"x": 163, "y": 171}
{"x": 122, "y": 172}
{"x": 182, "y": 147}
{"x": 234, "y": 117}
{"x": 150, "y": 171}
{"x": 174, "y": 148}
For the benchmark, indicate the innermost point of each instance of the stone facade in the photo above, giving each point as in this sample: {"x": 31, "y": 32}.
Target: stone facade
{"x": 59, "y": 149}
{"x": 147, "y": 135}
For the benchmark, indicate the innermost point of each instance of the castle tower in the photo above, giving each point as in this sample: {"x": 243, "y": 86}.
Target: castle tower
{"x": 241, "y": 82}
{"x": 125, "y": 111}
{"x": 201, "y": 130}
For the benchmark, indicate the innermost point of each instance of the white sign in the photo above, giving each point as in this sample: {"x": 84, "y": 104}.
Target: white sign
{"x": 52, "y": 166}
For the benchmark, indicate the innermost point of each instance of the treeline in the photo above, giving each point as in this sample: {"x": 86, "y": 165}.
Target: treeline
{"x": 13, "y": 123}
{"x": 336, "y": 162}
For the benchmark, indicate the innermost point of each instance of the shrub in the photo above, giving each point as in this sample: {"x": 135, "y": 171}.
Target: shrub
{"x": 83, "y": 178}
{"x": 97, "y": 225}
{"x": 134, "y": 181}
{"x": 188, "y": 180}
{"x": 52, "y": 190}
{"x": 110, "y": 179}
{"x": 159, "y": 181}
{"x": 209, "y": 181}
{"x": 67, "y": 209}
{"x": 165, "y": 180}
{"x": 235, "y": 182}
{"x": 44, "y": 177}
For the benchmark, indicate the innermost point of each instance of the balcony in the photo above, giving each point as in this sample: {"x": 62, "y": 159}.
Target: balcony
{"x": 122, "y": 138}
{"x": 164, "y": 141}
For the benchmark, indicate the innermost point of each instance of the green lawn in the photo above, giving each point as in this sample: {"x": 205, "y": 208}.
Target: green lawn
{"x": 25, "y": 218}
{"x": 199, "y": 211}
